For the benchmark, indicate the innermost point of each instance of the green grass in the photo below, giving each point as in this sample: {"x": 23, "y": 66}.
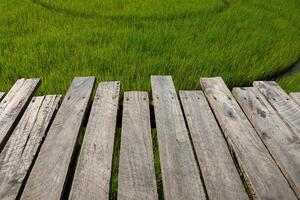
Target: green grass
{"x": 240, "y": 40}
{"x": 290, "y": 83}
{"x": 115, "y": 166}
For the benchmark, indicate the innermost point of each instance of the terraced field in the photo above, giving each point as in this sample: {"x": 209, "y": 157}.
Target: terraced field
{"x": 124, "y": 40}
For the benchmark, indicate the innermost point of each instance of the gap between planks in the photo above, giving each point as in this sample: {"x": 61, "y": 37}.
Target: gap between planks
{"x": 47, "y": 179}
{"x": 13, "y": 105}
{"x": 282, "y": 143}
{"x": 220, "y": 175}
{"x": 136, "y": 168}
{"x": 93, "y": 172}
{"x": 260, "y": 170}
{"x": 21, "y": 149}
{"x": 2, "y": 94}
{"x": 180, "y": 172}
{"x": 287, "y": 109}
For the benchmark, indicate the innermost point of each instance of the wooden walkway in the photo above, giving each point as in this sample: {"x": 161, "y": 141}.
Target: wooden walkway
{"x": 213, "y": 144}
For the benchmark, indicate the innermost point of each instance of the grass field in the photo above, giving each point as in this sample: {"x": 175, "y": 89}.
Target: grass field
{"x": 291, "y": 82}
{"x": 128, "y": 41}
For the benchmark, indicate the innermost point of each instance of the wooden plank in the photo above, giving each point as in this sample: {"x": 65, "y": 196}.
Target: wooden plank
{"x": 296, "y": 97}
{"x": 93, "y": 172}
{"x": 136, "y": 168}
{"x": 282, "y": 143}
{"x": 260, "y": 170}
{"x": 220, "y": 175}
{"x": 287, "y": 109}
{"x": 48, "y": 175}
{"x": 21, "y": 148}
{"x": 13, "y": 105}
{"x": 180, "y": 172}
{"x": 2, "y": 94}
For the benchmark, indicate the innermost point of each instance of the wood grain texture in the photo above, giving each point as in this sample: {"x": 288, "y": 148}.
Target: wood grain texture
{"x": 2, "y": 94}
{"x": 136, "y": 169}
{"x": 93, "y": 172}
{"x": 296, "y": 97}
{"x": 283, "y": 144}
{"x": 21, "y": 148}
{"x": 13, "y": 105}
{"x": 260, "y": 170}
{"x": 220, "y": 175}
{"x": 180, "y": 172}
{"x": 287, "y": 108}
{"x": 48, "y": 175}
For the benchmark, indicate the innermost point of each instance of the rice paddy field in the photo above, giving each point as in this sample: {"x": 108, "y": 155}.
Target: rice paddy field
{"x": 291, "y": 82}
{"x": 240, "y": 40}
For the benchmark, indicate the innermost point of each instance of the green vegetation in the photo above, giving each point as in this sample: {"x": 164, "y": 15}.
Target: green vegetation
{"x": 115, "y": 166}
{"x": 291, "y": 82}
{"x": 240, "y": 40}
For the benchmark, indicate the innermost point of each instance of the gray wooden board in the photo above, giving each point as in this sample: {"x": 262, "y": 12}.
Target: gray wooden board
{"x": 1, "y": 95}
{"x": 283, "y": 144}
{"x": 220, "y": 175}
{"x": 180, "y": 172}
{"x": 21, "y": 148}
{"x": 260, "y": 170}
{"x": 13, "y": 105}
{"x": 296, "y": 97}
{"x": 48, "y": 175}
{"x": 287, "y": 108}
{"x": 93, "y": 172}
{"x": 136, "y": 168}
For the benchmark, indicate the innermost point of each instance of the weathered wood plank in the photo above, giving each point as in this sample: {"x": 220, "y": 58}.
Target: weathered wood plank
{"x": 48, "y": 175}
{"x": 136, "y": 169}
{"x": 13, "y": 105}
{"x": 180, "y": 173}
{"x": 260, "y": 170}
{"x": 220, "y": 175}
{"x": 282, "y": 143}
{"x": 296, "y": 97}
{"x": 21, "y": 148}
{"x": 287, "y": 109}
{"x": 2, "y": 94}
{"x": 93, "y": 172}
